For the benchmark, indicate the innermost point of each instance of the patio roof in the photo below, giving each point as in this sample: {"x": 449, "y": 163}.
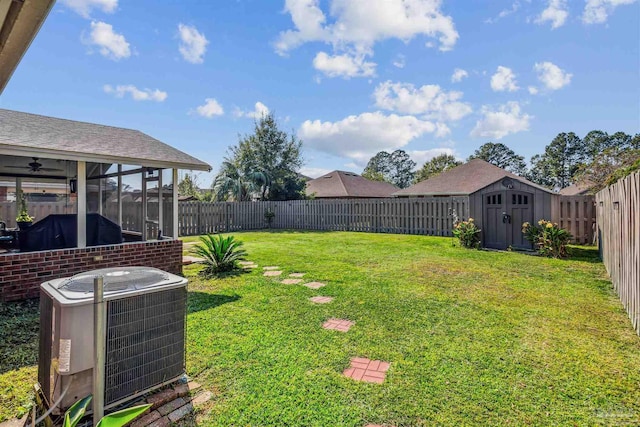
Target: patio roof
{"x": 32, "y": 135}
{"x": 20, "y": 21}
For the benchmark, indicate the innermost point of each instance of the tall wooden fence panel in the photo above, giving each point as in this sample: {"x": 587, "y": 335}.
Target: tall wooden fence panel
{"x": 618, "y": 213}
{"x": 577, "y": 215}
{"x": 38, "y": 210}
{"x": 424, "y": 215}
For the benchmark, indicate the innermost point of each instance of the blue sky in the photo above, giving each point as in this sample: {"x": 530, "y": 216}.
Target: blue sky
{"x": 350, "y": 77}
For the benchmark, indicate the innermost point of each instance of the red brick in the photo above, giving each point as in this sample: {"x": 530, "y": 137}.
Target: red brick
{"x": 372, "y": 379}
{"x": 171, "y": 406}
{"x": 147, "y": 419}
{"x": 384, "y": 366}
{"x": 162, "y": 397}
{"x": 180, "y": 413}
{"x": 374, "y": 365}
{"x": 357, "y": 374}
{"x": 162, "y": 422}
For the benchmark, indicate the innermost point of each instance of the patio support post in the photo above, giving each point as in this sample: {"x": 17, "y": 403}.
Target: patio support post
{"x": 18, "y": 195}
{"x": 174, "y": 187}
{"x": 100, "y": 190}
{"x": 144, "y": 205}
{"x": 82, "y": 204}
{"x": 120, "y": 196}
{"x": 160, "y": 208}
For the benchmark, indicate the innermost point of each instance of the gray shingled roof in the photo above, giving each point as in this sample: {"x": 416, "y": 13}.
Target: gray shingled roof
{"x": 577, "y": 189}
{"x": 462, "y": 180}
{"x": 34, "y": 135}
{"x": 339, "y": 184}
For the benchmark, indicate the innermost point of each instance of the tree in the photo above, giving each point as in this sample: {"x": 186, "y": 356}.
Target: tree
{"x": 233, "y": 184}
{"x": 188, "y": 186}
{"x": 501, "y": 156}
{"x": 435, "y": 166}
{"x": 263, "y": 165}
{"x": 597, "y": 142}
{"x": 561, "y": 160}
{"x": 607, "y": 167}
{"x": 395, "y": 168}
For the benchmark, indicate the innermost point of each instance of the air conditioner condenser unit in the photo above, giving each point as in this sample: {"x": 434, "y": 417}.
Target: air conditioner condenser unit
{"x": 144, "y": 340}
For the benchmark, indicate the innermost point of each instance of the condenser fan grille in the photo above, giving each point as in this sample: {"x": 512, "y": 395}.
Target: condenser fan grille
{"x": 115, "y": 279}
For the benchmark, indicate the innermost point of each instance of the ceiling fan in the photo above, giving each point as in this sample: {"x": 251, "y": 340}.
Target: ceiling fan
{"x": 35, "y": 166}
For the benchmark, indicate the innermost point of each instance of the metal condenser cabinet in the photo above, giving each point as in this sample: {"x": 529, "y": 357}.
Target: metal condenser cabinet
{"x": 144, "y": 340}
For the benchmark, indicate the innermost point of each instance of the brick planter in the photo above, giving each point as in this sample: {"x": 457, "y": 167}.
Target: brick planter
{"x": 22, "y": 273}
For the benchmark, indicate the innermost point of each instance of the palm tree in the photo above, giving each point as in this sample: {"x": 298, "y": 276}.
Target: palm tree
{"x": 232, "y": 183}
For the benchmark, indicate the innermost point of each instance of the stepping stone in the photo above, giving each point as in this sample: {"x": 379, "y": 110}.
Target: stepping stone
{"x": 363, "y": 369}
{"x": 270, "y": 267}
{"x": 187, "y": 259}
{"x": 321, "y": 300}
{"x": 249, "y": 266}
{"x": 297, "y": 275}
{"x": 291, "y": 281}
{"x": 272, "y": 273}
{"x": 246, "y": 263}
{"x": 341, "y": 325}
{"x": 314, "y": 285}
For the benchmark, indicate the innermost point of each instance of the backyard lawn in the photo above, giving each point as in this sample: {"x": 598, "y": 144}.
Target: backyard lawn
{"x": 472, "y": 337}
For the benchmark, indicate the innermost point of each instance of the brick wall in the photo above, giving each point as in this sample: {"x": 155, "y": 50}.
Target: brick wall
{"x": 22, "y": 273}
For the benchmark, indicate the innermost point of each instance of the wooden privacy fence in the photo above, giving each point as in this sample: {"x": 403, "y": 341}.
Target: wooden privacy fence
{"x": 429, "y": 215}
{"x": 618, "y": 213}
{"x": 577, "y": 215}
{"x": 38, "y": 210}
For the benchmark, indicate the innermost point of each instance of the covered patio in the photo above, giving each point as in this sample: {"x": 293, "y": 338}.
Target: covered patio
{"x": 101, "y": 196}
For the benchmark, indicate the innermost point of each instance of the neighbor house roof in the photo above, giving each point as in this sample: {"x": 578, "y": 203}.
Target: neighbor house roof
{"x": 462, "y": 180}
{"x": 24, "y": 134}
{"x": 338, "y": 184}
{"x": 19, "y": 24}
{"x": 577, "y": 189}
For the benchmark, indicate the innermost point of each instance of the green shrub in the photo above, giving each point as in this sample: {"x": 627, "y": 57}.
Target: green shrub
{"x": 467, "y": 233}
{"x": 547, "y": 238}
{"x": 221, "y": 254}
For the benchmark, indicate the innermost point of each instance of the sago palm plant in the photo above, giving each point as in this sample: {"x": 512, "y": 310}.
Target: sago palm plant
{"x": 221, "y": 254}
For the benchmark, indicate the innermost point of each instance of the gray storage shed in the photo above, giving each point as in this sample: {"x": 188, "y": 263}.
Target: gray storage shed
{"x": 499, "y": 201}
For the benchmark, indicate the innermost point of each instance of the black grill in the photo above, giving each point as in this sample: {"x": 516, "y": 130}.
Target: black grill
{"x": 145, "y": 342}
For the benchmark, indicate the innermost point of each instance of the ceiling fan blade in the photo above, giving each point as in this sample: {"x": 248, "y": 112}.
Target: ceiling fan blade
{"x": 18, "y": 167}
{"x": 49, "y": 170}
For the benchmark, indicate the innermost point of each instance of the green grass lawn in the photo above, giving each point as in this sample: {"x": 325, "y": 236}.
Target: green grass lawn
{"x": 473, "y": 337}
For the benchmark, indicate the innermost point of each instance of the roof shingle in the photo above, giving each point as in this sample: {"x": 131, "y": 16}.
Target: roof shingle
{"x": 72, "y": 140}
{"x": 462, "y": 180}
{"x": 339, "y": 184}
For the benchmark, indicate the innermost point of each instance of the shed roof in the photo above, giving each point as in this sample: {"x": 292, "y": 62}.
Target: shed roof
{"x": 463, "y": 180}
{"x": 25, "y": 134}
{"x": 338, "y": 184}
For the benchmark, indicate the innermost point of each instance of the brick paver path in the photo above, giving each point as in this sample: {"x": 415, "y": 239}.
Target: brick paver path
{"x": 363, "y": 369}
{"x": 271, "y": 267}
{"x": 341, "y": 325}
{"x": 272, "y": 273}
{"x": 314, "y": 285}
{"x": 296, "y": 275}
{"x": 291, "y": 281}
{"x": 321, "y": 300}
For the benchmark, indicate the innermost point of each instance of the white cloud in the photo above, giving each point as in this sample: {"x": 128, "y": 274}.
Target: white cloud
{"x": 533, "y": 90}
{"x": 193, "y": 44}
{"x": 597, "y": 11}
{"x": 345, "y": 66}
{"x": 400, "y": 61}
{"x": 556, "y": 13}
{"x": 210, "y": 108}
{"x": 314, "y": 172}
{"x": 359, "y": 137}
{"x": 259, "y": 110}
{"x": 429, "y": 100}
{"x": 497, "y": 124}
{"x": 361, "y": 23}
{"x": 84, "y": 7}
{"x": 552, "y": 76}
{"x": 504, "y": 80}
{"x": 136, "y": 94}
{"x": 111, "y": 44}
{"x": 503, "y": 13}
{"x": 458, "y": 75}
{"x": 423, "y": 156}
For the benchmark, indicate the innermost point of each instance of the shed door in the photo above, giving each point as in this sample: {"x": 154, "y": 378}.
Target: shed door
{"x": 505, "y": 211}
{"x": 495, "y": 231}
{"x": 520, "y": 207}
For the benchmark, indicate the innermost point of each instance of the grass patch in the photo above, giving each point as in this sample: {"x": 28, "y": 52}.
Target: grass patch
{"x": 473, "y": 337}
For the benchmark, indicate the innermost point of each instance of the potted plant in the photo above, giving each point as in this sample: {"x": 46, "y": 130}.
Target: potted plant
{"x": 24, "y": 220}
